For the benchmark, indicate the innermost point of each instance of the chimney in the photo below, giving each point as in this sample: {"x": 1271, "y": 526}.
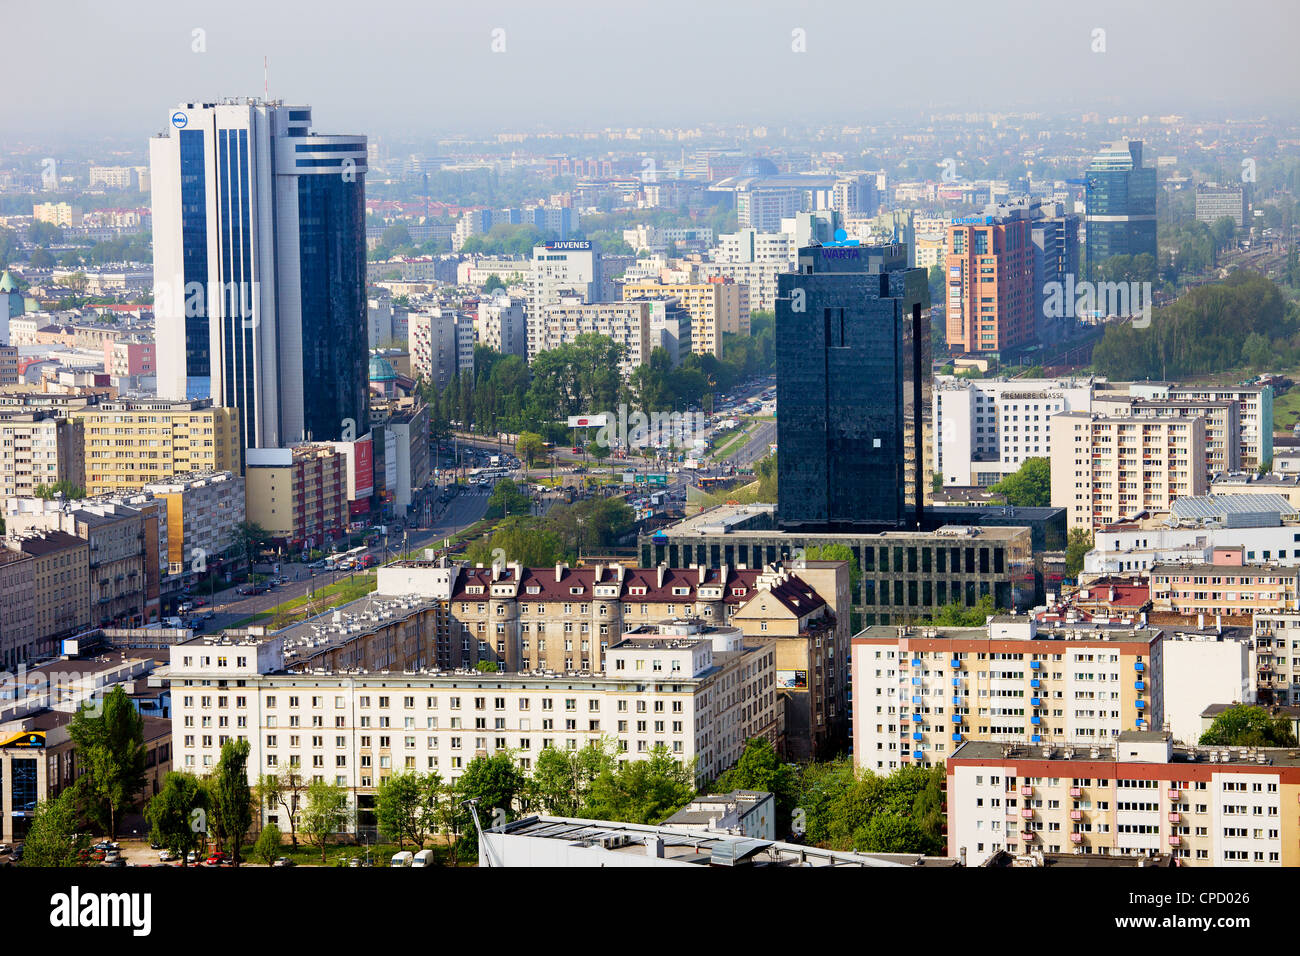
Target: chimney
{"x": 659, "y": 575}
{"x": 1200, "y": 622}
{"x": 559, "y": 572}
{"x": 1218, "y": 624}
{"x": 654, "y": 847}
{"x": 703, "y": 571}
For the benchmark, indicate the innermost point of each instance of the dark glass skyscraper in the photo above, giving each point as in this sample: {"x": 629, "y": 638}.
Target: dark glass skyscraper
{"x": 1120, "y": 204}
{"x": 853, "y": 379}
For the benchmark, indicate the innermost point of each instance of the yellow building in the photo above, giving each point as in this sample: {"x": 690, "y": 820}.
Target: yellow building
{"x": 715, "y": 307}
{"x": 132, "y": 443}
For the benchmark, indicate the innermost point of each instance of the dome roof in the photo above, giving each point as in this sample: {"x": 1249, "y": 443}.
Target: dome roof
{"x": 758, "y": 166}
{"x": 381, "y": 370}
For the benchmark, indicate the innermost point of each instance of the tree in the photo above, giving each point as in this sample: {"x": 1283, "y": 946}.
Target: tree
{"x": 889, "y": 833}
{"x": 561, "y": 779}
{"x": 109, "y": 738}
{"x": 400, "y": 808}
{"x": 760, "y": 768}
{"x": 957, "y": 614}
{"x": 1245, "y": 726}
{"x": 494, "y": 783}
{"x": 1030, "y": 487}
{"x": 1078, "y": 545}
{"x": 232, "y": 804}
{"x": 487, "y": 667}
{"x": 641, "y": 791}
{"x": 286, "y": 790}
{"x": 269, "y": 844}
{"x": 326, "y": 813}
{"x": 598, "y": 451}
{"x": 53, "y": 839}
{"x": 506, "y": 499}
{"x": 530, "y": 447}
{"x": 177, "y": 814}
{"x": 65, "y": 488}
{"x": 836, "y": 552}
{"x": 492, "y": 283}
{"x": 247, "y": 540}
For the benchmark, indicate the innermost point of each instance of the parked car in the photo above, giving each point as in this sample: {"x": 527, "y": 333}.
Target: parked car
{"x": 217, "y": 858}
{"x": 166, "y": 856}
{"x": 116, "y": 861}
{"x": 284, "y": 861}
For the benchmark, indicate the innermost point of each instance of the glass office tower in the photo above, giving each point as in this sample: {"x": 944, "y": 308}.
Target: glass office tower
{"x": 853, "y": 383}
{"x": 1120, "y": 204}
{"x": 259, "y": 269}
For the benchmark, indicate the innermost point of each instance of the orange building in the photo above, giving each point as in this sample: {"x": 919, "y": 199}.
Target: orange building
{"x": 989, "y": 264}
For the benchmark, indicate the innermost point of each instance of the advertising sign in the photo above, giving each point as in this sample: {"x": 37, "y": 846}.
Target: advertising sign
{"x": 796, "y": 680}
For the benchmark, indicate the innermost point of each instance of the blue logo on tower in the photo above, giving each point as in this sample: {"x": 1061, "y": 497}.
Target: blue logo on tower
{"x": 180, "y": 120}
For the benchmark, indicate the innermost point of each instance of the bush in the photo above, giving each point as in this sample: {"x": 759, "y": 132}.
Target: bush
{"x": 267, "y": 848}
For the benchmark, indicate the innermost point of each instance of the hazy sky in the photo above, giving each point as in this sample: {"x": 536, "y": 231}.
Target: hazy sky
{"x": 390, "y": 66}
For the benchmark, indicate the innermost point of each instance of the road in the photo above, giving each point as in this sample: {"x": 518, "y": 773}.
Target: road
{"x": 462, "y": 511}
{"x": 757, "y": 447}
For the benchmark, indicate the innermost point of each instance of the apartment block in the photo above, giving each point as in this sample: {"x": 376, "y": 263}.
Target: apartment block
{"x": 202, "y": 509}
{"x": 298, "y": 494}
{"x": 1277, "y": 656}
{"x": 502, "y": 325}
{"x": 1255, "y": 411}
{"x": 61, "y": 593}
{"x": 985, "y": 429}
{"x": 716, "y": 306}
{"x": 17, "y": 607}
{"x": 1226, "y": 587}
{"x": 1222, "y": 423}
{"x": 1215, "y": 202}
{"x": 129, "y": 444}
{"x": 1109, "y": 469}
{"x": 920, "y": 692}
{"x": 991, "y": 300}
{"x": 38, "y": 448}
{"x": 627, "y": 323}
{"x": 1139, "y": 796}
{"x": 698, "y": 690}
{"x": 442, "y": 345}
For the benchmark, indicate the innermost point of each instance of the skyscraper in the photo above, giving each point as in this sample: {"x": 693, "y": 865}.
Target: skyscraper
{"x": 1120, "y": 204}
{"x": 259, "y": 269}
{"x": 990, "y": 267}
{"x": 853, "y": 374}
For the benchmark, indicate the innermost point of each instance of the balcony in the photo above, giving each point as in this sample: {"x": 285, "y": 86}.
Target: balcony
{"x": 1174, "y": 818}
{"x": 1026, "y": 791}
{"x": 956, "y": 682}
{"x": 1076, "y": 814}
{"x": 956, "y": 701}
{"x": 1175, "y": 839}
{"x": 1174, "y": 794}
{"x": 956, "y": 718}
{"x": 1139, "y": 685}
{"x": 1139, "y": 666}
{"x": 1076, "y": 837}
{"x": 1035, "y": 702}
{"x": 956, "y": 738}
{"x": 1035, "y": 665}
{"x": 1027, "y": 835}
{"x": 917, "y": 736}
{"x": 955, "y": 663}
{"x": 916, "y": 662}
{"x": 1035, "y": 720}
{"x": 1035, "y": 684}
{"x": 1076, "y": 792}
{"x": 1027, "y": 813}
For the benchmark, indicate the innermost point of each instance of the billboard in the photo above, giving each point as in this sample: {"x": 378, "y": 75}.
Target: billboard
{"x": 796, "y": 680}
{"x": 587, "y": 421}
{"x": 569, "y": 245}
{"x": 363, "y": 468}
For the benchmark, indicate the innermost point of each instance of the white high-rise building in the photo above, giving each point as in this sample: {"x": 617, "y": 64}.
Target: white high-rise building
{"x": 563, "y": 266}
{"x": 259, "y": 268}
{"x": 442, "y": 344}
{"x": 501, "y": 325}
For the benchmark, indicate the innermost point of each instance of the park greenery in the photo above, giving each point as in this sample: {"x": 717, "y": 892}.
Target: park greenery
{"x": 1028, "y": 487}
{"x": 587, "y": 526}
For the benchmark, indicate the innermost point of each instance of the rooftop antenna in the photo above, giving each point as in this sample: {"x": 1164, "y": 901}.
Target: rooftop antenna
{"x": 266, "y": 79}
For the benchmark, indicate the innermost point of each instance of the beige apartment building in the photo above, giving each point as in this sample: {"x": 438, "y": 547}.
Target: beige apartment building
{"x": 627, "y": 323}
{"x": 61, "y": 576}
{"x": 698, "y": 690}
{"x": 129, "y": 444}
{"x": 1106, "y": 469}
{"x": 1222, "y": 423}
{"x": 298, "y": 494}
{"x": 17, "y": 607}
{"x": 38, "y": 448}
{"x": 920, "y": 692}
{"x": 1226, "y": 588}
{"x": 1137, "y": 796}
{"x": 715, "y": 306}
{"x": 202, "y": 511}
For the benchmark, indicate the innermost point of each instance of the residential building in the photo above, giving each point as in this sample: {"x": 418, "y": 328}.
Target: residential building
{"x": 502, "y": 325}
{"x": 627, "y": 323}
{"x": 1226, "y": 587}
{"x": 854, "y": 377}
{"x": 1137, "y": 797}
{"x": 260, "y": 268}
{"x": 123, "y": 359}
{"x": 202, "y": 510}
{"x": 39, "y": 447}
{"x": 1107, "y": 469}
{"x": 1277, "y": 657}
{"x": 442, "y": 345}
{"x": 298, "y": 494}
{"x": 1199, "y": 667}
{"x": 920, "y": 692}
{"x": 129, "y": 444}
{"x": 57, "y": 214}
{"x": 715, "y": 306}
{"x": 560, "y": 268}
{"x": 656, "y": 239}
{"x": 402, "y": 433}
{"x": 1222, "y": 423}
{"x": 61, "y": 572}
{"x": 989, "y": 263}
{"x": 985, "y": 429}
{"x": 698, "y": 690}
{"x": 751, "y": 813}
{"x": 1255, "y": 410}
{"x": 17, "y": 608}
